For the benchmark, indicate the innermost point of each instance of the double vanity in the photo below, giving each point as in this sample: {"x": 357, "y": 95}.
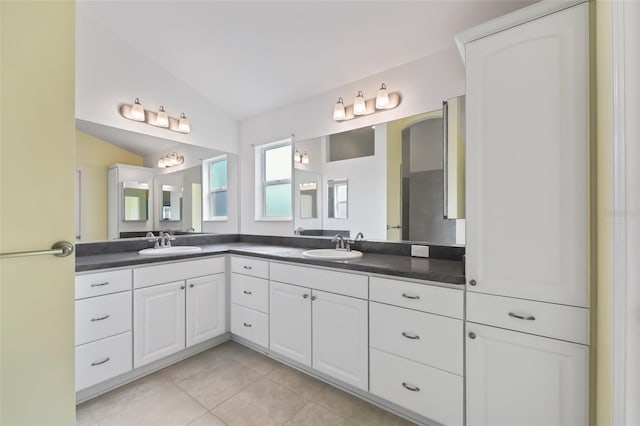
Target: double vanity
{"x": 386, "y": 327}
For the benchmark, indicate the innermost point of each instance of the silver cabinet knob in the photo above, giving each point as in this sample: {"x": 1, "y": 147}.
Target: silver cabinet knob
{"x": 472, "y": 335}
{"x": 305, "y": 296}
{"x": 181, "y": 287}
{"x": 313, "y": 297}
{"x": 473, "y": 282}
{"x": 192, "y": 285}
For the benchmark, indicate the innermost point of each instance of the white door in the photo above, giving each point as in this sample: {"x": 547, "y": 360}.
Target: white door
{"x": 158, "y": 322}
{"x": 527, "y": 160}
{"x": 520, "y": 379}
{"x": 206, "y": 316}
{"x": 340, "y": 338}
{"x": 290, "y": 321}
{"x": 36, "y": 200}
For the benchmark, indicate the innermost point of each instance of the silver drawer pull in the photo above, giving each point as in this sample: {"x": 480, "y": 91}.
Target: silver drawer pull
{"x": 521, "y": 317}
{"x": 411, "y": 388}
{"x": 246, "y": 267}
{"x": 93, "y": 364}
{"x": 246, "y": 324}
{"x": 410, "y": 336}
{"x": 100, "y": 284}
{"x": 408, "y": 296}
{"x": 247, "y": 292}
{"x": 101, "y": 318}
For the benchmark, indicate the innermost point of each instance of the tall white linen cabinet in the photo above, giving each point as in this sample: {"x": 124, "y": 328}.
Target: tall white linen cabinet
{"x": 527, "y": 254}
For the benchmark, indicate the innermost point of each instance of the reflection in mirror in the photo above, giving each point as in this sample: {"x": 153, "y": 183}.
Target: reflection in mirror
{"x": 171, "y": 203}
{"x": 308, "y": 200}
{"x": 337, "y": 202}
{"x": 136, "y": 201}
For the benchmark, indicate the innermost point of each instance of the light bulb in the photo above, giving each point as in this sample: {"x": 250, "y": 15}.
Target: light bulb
{"x": 359, "y": 105}
{"x": 305, "y": 158}
{"x": 161, "y": 163}
{"x": 184, "y": 125}
{"x": 162, "y": 119}
{"x": 338, "y": 111}
{"x": 296, "y": 157}
{"x": 382, "y": 99}
{"x": 137, "y": 111}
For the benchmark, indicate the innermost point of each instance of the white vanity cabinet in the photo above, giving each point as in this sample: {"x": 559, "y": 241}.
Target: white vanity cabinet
{"x": 319, "y": 318}
{"x": 416, "y": 347}
{"x": 102, "y": 326}
{"x": 177, "y": 305}
{"x": 527, "y": 251}
{"x": 250, "y": 299}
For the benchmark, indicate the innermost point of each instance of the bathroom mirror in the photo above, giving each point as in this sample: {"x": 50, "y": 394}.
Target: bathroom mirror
{"x": 135, "y": 201}
{"x": 396, "y": 187}
{"x": 171, "y": 208}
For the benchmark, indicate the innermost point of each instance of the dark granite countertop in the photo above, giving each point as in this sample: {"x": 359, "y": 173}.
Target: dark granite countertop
{"x": 440, "y": 270}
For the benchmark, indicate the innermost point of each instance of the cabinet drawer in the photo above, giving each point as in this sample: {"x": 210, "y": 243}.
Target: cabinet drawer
{"x": 353, "y": 285}
{"x": 100, "y": 317}
{"x": 541, "y": 318}
{"x": 168, "y": 272}
{"x": 250, "y": 292}
{"x": 248, "y": 266}
{"x": 99, "y": 283}
{"x": 249, "y": 324}
{"x": 422, "y": 297}
{"x": 430, "y": 392}
{"x": 102, "y": 360}
{"x": 429, "y": 339}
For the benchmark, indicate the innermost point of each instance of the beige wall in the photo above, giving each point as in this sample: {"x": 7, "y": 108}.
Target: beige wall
{"x": 37, "y": 139}
{"x": 93, "y": 155}
{"x": 602, "y": 308}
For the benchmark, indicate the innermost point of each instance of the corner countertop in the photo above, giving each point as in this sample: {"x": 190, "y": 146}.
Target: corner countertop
{"x": 439, "y": 270}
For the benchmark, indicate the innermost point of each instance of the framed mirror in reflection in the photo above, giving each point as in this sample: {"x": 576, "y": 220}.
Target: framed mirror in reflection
{"x": 391, "y": 185}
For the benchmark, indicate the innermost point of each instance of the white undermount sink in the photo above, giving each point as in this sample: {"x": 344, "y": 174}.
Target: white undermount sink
{"x": 332, "y": 254}
{"x": 163, "y": 251}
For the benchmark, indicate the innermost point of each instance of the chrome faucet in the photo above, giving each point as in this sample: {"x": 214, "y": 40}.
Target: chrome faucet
{"x": 339, "y": 240}
{"x": 299, "y": 230}
{"x": 153, "y": 239}
{"x": 165, "y": 239}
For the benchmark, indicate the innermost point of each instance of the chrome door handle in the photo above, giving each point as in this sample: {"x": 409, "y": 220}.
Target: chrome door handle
{"x": 408, "y": 296}
{"x": 93, "y": 364}
{"x": 410, "y": 336}
{"x": 101, "y": 318}
{"x": 246, "y": 324}
{"x": 411, "y": 388}
{"x": 522, "y": 317}
{"x": 100, "y": 284}
{"x": 247, "y": 292}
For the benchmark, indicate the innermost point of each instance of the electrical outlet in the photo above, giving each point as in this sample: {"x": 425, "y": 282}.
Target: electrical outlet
{"x": 420, "y": 251}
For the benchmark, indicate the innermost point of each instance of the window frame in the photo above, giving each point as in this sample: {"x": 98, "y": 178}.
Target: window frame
{"x": 208, "y": 191}
{"x": 262, "y": 183}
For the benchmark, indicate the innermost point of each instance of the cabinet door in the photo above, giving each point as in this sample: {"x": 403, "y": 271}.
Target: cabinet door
{"x": 290, "y": 321}
{"x": 340, "y": 338}
{"x": 158, "y": 323}
{"x": 527, "y": 160}
{"x": 521, "y": 379}
{"x": 206, "y": 316}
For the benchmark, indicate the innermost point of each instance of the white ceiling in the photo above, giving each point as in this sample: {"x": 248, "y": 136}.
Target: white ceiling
{"x": 249, "y": 57}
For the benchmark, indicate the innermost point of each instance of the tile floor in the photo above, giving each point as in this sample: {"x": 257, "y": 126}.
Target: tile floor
{"x": 230, "y": 385}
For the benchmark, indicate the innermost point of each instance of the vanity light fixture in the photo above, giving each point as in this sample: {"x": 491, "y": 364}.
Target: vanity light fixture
{"x": 305, "y": 158}
{"x": 170, "y": 160}
{"x": 162, "y": 118}
{"x": 183, "y": 124}
{"x": 383, "y": 101}
{"x": 359, "y": 105}
{"x": 137, "y": 112}
{"x": 338, "y": 111}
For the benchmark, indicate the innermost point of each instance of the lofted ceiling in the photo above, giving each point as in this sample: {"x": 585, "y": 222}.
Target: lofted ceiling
{"x": 249, "y": 57}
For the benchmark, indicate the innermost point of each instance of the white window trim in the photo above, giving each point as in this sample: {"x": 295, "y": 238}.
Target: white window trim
{"x": 260, "y": 184}
{"x": 207, "y": 190}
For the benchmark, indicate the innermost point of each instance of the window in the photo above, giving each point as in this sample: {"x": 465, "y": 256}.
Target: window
{"x": 215, "y": 189}
{"x": 273, "y": 181}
